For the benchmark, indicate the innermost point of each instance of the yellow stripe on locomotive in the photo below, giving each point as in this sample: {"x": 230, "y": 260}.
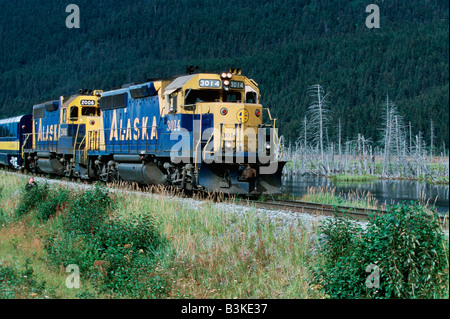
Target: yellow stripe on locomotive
{"x": 10, "y": 146}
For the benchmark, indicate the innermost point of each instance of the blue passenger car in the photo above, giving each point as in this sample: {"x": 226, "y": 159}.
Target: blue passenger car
{"x": 12, "y": 132}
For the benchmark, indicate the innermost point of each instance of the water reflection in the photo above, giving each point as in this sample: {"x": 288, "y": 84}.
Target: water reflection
{"x": 385, "y": 191}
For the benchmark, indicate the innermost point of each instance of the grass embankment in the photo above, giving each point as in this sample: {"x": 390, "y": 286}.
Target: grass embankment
{"x": 133, "y": 246}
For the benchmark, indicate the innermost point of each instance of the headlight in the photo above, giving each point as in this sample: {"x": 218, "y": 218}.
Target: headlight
{"x": 229, "y": 75}
{"x": 228, "y": 145}
{"x": 226, "y": 82}
{"x": 223, "y": 75}
{"x": 268, "y": 146}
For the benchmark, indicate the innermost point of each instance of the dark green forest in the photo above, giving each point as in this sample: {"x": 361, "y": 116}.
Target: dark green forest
{"x": 284, "y": 45}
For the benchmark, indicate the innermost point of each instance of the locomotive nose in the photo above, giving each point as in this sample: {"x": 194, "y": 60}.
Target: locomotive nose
{"x": 236, "y": 127}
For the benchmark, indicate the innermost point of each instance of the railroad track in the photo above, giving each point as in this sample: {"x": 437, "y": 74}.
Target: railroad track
{"x": 321, "y": 209}
{"x": 313, "y": 208}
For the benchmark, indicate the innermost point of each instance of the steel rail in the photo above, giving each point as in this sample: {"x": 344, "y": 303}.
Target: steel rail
{"x": 318, "y": 209}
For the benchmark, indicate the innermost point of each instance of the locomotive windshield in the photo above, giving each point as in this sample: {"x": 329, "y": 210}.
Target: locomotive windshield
{"x": 250, "y": 97}
{"x": 194, "y": 96}
{"x": 232, "y": 97}
{"x": 90, "y": 111}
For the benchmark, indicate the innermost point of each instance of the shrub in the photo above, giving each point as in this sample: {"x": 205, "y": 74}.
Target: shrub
{"x": 407, "y": 246}
{"x": 118, "y": 255}
{"x": 137, "y": 233}
{"x": 129, "y": 253}
{"x": 74, "y": 243}
{"x": 64, "y": 248}
{"x": 31, "y": 197}
{"x": 3, "y": 217}
{"x": 19, "y": 282}
{"x": 87, "y": 211}
{"x": 56, "y": 201}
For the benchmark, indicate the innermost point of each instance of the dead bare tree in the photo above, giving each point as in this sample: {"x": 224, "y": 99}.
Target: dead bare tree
{"x": 319, "y": 117}
{"x": 431, "y": 140}
{"x": 393, "y": 137}
{"x": 387, "y": 135}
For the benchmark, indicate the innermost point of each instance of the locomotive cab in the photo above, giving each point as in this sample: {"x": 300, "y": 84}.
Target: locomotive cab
{"x": 230, "y": 104}
{"x": 228, "y": 133}
{"x": 79, "y": 115}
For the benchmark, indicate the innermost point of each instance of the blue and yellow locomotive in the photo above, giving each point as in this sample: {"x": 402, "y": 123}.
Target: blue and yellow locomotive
{"x": 199, "y": 131}
{"x": 58, "y": 135}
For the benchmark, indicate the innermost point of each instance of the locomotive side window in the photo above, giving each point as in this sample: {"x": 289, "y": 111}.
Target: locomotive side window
{"x": 232, "y": 97}
{"x": 250, "y": 97}
{"x": 74, "y": 113}
{"x": 173, "y": 102}
{"x": 194, "y": 96}
{"x": 64, "y": 115}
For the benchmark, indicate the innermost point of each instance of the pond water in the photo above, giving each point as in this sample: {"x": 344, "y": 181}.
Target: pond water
{"x": 385, "y": 191}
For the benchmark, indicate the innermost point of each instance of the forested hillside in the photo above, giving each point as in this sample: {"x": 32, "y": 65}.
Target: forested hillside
{"x": 284, "y": 45}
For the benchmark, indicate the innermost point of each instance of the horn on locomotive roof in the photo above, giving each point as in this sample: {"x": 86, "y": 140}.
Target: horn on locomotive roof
{"x": 235, "y": 71}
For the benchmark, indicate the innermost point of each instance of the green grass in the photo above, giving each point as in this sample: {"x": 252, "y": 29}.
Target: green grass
{"x": 221, "y": 254}
{"x": 21, "y": 245}
{"x": 440, "y": 180}
{"x": 326, "y": 195}
{"x": 352, "y": 178}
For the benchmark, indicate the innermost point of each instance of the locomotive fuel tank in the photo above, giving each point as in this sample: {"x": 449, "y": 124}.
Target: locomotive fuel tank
{"x": 50, "y": 166}
{"x": 132, "y": 168}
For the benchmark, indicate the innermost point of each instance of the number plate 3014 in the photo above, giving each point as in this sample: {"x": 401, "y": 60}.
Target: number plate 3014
{"x": 205, "y": 83}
